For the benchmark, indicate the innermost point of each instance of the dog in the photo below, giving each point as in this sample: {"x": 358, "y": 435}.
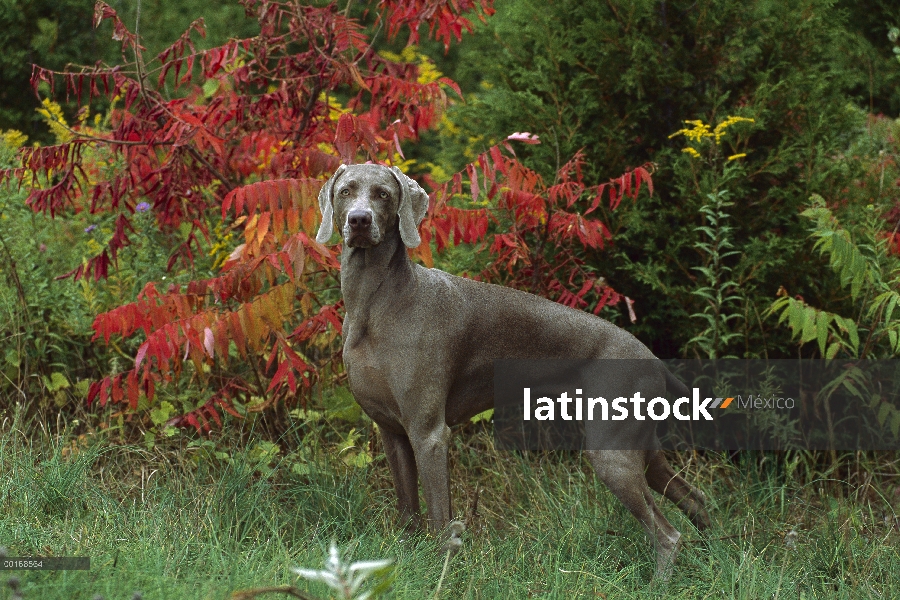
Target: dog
{"x": 419, "y": 346}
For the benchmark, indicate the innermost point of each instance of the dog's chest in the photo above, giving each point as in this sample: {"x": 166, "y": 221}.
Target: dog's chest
{"x": 370, "y": 378}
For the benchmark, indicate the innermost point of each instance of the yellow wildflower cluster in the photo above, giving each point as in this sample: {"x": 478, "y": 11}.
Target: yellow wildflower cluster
{"x": 428, "y": 71}
{"x": 721, "y": 127}
{"x": 223, "y": 246}
{"x": 13, "y": 138}
{"x": 335, "y": 108}
{"x": 700, "y": 131}
{"x": 53, "y": 115}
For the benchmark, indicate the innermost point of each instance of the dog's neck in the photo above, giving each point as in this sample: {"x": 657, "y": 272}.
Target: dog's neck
{"x": 365, "y": 270}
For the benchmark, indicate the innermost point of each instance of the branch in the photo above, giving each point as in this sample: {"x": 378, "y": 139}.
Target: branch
{"x": 317, "y": 89}
{"x": 196, "y": 154}
{"x": 80, "y": 135}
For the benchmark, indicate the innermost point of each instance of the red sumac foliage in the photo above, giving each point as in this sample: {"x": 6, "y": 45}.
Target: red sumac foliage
{"x": 247, "y": 132}
{"x": 541, "y": 238}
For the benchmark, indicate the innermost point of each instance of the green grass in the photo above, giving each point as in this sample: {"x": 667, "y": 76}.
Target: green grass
{"x": 172, "y": 523}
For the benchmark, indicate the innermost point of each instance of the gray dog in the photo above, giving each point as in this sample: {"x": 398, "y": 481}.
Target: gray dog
{"x": 419, "y": 346}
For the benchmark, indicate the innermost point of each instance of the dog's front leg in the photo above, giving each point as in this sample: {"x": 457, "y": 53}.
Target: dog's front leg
{"x": 402, "y": 462}
{"x": 430, "y": 444}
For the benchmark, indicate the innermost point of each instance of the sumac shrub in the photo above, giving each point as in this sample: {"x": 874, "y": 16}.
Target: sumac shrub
{"x": 222, "y": 152}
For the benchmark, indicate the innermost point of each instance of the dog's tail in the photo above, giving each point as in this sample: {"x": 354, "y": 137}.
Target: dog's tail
{"x": 673, "y": 384}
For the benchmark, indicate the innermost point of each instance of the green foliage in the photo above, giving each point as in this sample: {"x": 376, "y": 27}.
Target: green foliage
{"x": 716, "y": 289}
{"x": 875, "y": 19}
{"x": 53, "y": 33}
{"x": 174, "y": 528}
{"x": 157, "y": 20}
{"x": 46, "y": 320}
{"x": 719, "y": 293}
{"x": 617, "y": 78}
{"x": 48, "y": 32}
{"x": 871, "y": 272}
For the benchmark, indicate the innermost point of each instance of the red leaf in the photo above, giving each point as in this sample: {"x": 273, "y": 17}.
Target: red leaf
{"x": 141, "y": 353}
{"x": 645, "y": 176}
{"x": 345, "y": 138}
{"x": 614, "y": 200}
{"x": 452, "y": 85}
{"x": 133, "y": 390}
{"x": 282, "y": 372}
{"x": 93, "y": 390}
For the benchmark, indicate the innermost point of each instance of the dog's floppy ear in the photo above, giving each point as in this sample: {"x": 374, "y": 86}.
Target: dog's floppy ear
{"x": 413, "y": 206}
{"x": 327, "y": 207}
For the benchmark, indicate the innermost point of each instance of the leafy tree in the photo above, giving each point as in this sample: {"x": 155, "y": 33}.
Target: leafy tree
{"x": 54, "y": 34}
{"x": 616, "y": 79}
{"x": 205, "y": 149}
{"x": 874, "y": 19}
{"x": 49, "y": 32}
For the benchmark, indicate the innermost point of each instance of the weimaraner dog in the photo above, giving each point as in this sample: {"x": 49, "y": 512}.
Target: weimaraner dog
{"x": 419, "y": 346}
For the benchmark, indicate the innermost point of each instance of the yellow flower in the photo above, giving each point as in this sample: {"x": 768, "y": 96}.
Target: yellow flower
{"x": 721, "y": 127}
{"x": 691, "y": 151}
{"x": 13, "y": 139}
{"x": 335, "y": 108}
{"x": 737, "y": 156}
{"x": 53, "y": 115}
{"x": 403, "y": 164}
{"x": 428, "y": 71}
{"x": 390, "y": 55}
{"x": 447, "y": 126}
{"x": 700, "y": 130}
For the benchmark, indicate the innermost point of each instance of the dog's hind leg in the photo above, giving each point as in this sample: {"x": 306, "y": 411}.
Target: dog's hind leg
{"x": 623, "y": 472}
{"x": 665, "y": 481}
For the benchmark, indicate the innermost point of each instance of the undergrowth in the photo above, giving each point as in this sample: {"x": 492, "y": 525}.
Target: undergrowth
{"x": 176, "y": 521}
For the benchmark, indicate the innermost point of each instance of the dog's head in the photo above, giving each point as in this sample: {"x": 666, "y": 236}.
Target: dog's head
{"x": 367, "y": 201}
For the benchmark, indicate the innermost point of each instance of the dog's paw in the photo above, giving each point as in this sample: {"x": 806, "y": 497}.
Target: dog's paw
{"x": 454, "y": 540}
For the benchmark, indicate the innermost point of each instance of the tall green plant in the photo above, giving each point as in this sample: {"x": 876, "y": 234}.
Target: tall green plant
{"x": 716, "y": 288}
{"x": 870, "y": 328}
{"x": 868, "y": 271}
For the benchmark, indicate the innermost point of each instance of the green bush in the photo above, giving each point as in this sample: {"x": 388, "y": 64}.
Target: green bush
{"x": 45, "y": 319}
{"x": 618, "y": 78}
{"x": 45, "y": 322}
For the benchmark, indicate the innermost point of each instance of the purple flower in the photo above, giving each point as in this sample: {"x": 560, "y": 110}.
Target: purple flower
{"x": 90, "y": 228}
{"x": 142, "y": 207}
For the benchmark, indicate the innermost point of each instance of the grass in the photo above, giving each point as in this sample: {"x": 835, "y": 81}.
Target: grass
{"x": 177, "y": 523}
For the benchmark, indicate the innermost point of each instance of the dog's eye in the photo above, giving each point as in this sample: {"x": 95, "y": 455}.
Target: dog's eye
{"x": 382, "y": 194}
{"x": 345, "y": 192}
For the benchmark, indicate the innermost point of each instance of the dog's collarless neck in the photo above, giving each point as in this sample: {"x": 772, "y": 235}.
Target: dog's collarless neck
{"x": 386, "y": 262}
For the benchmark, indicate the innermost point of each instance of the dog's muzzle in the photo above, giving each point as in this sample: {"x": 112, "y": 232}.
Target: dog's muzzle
{"x": 360, "y": 231}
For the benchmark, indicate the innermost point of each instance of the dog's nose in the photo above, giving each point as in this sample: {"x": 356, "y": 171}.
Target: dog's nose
{"x": 359, "y": 219}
